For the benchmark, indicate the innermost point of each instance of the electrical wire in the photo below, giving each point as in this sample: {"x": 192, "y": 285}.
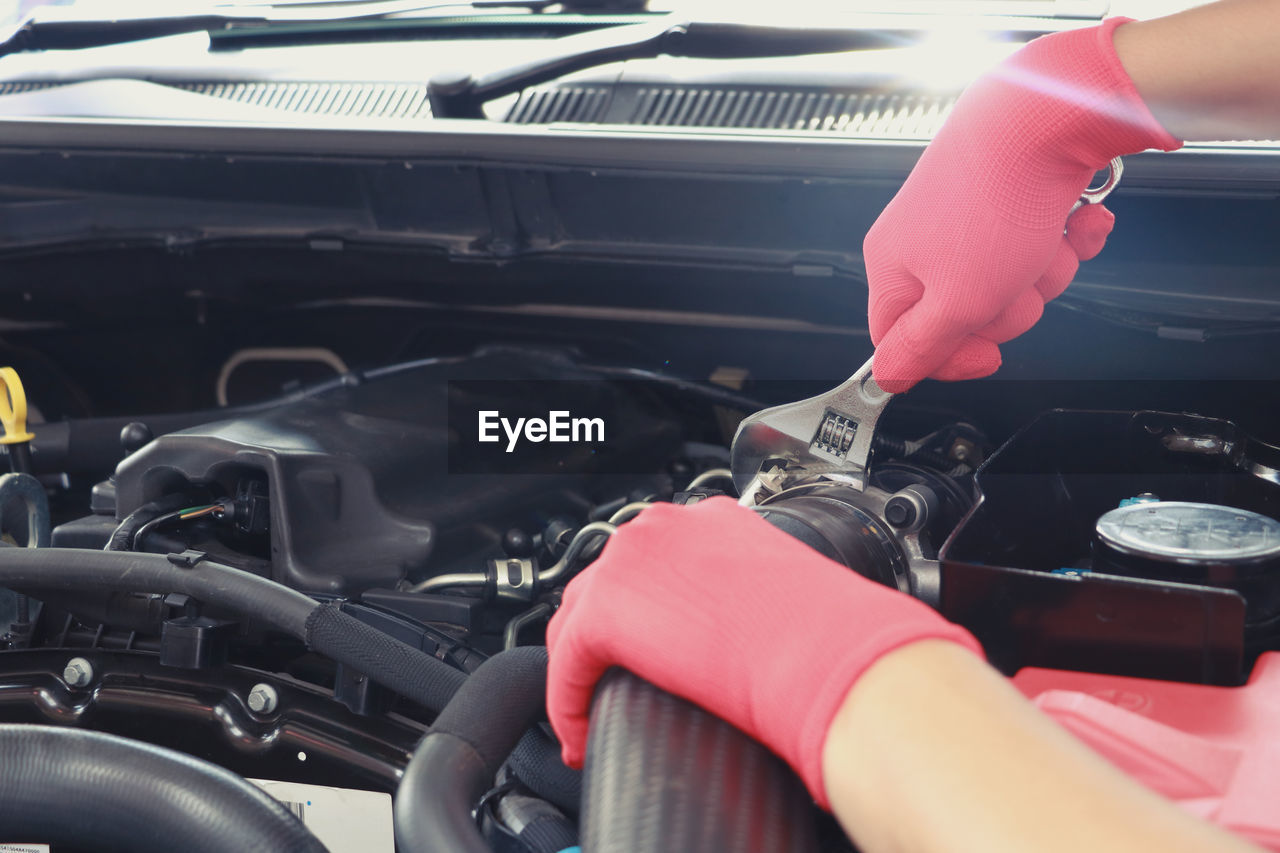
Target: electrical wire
{"x": 177, "y": 515}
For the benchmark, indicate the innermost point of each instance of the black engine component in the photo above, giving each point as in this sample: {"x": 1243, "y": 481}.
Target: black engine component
{"x": 353, "y": 486}
{"x": 1195, "y": 543}
{"x": 1026, "y": 572}
{"x": 888, "y": 536}
{"x": 835, "y": 526}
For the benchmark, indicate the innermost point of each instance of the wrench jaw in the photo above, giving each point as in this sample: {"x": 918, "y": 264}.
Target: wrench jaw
{"x": 788, "y": 446}
{"x": 761, "y": 454}
{"x": 824, "y": 437}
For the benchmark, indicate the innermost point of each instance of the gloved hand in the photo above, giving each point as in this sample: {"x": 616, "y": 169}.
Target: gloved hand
{"x": 714, "y": 604}
{"x": 972, "y": 246}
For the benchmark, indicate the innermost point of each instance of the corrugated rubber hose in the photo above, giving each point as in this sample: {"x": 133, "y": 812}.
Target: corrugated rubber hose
{"x": 664, "y": 776}
{"x": 100, "y": 792}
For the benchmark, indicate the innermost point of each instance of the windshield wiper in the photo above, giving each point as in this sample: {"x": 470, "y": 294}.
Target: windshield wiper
{"x": 57, "y": 33}
{"x": 460, "y": 94}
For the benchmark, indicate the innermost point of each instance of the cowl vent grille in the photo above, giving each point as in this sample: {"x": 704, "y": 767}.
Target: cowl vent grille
{"x": 17, "y": 88}
{"x": 864, "y": 114}
{"x": 354, "y": 100}
{"x": 357, "y": 100}
{"x": 574, "y": 103}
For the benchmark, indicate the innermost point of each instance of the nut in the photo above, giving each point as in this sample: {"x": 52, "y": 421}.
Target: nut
{"x": 963, "y": 450}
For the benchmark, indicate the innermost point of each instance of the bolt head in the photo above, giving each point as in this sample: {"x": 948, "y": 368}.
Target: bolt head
{"x": 78, "y": 672}
{"x": 263, "y": 699}
{"x": 900, "y": 512}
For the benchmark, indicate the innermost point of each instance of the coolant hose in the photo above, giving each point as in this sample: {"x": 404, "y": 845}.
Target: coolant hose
{"x": 664, "y": 776}
{"x": 95, "y": 791}
{"x": 324, "y": 628}
{"x": 536, "y": 762}
{"x": 457, "y": 760}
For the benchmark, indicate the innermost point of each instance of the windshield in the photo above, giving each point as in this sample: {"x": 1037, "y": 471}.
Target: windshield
{"x": 719, "y": 9}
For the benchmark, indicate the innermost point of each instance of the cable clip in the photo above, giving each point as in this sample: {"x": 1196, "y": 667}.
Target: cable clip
{"x": 187, "y": 559}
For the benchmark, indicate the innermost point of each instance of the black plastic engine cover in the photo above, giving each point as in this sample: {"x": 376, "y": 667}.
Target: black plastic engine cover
{"x": 358, "y": 475}
{"x": 1020, "y": 573}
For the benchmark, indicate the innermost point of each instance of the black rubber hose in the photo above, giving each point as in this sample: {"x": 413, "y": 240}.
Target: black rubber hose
{"x": 325, "y": 629}
{"x": 664, "y": 776}
{"x": 125, "y": 571}
{"x": 92, "y": 445}
{"x": 122, "y": 537}
{"x": 536, "y": 762}
{"x": 96, "y": 791}
{"x": 410, "y": 672}
{"x": 456, "y": 762}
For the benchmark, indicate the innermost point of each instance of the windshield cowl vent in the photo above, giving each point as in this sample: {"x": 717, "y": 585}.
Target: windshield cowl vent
{"x": 878, "y": 115}
{"x": 17, "y": 87}
{"x": 582, "y": 104}
{"x": 356, "y": 100}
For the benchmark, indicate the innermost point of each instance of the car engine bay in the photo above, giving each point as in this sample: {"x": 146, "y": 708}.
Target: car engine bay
{"x": 314, "y": 408}
{"x": 993, "y": 503}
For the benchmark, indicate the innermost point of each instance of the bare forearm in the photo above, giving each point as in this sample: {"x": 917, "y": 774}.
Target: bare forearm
{"x": 1212, "y": 72}
{"x": 933, "y": 750}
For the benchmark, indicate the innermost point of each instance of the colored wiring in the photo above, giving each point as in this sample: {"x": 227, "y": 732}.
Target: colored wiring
{"x": 177, "y": 515}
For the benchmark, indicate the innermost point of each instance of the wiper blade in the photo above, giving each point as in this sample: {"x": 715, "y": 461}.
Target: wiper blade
{"x": 58, "y": 33}
{"x": 35, "y": 34}
{"x": 463, "y": 94}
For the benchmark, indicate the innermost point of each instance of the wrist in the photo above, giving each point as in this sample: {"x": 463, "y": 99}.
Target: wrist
{"x": 911, "y": 624}
{"x": 862, "y": 756}
{"x": 1100, "y": 113}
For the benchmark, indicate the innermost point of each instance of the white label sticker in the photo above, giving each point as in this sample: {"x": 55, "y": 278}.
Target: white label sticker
{"x": 345, "y": 820}
{"x": 24, "y": 848}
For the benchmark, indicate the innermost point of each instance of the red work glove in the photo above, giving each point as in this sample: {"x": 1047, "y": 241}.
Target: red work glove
{"x": 714, "y": 604}
{"x": 972, "y": 246}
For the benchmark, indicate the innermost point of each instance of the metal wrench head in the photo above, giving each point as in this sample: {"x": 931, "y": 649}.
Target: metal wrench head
{"x": 828, "y": 435}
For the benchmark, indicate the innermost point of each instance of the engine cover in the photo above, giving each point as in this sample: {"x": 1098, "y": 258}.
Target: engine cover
{"x": 358, "y": 475}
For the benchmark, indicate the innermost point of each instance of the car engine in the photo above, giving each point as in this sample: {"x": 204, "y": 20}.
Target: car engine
{"x": 327, "y": 367}
{"x": 372, "y": 494}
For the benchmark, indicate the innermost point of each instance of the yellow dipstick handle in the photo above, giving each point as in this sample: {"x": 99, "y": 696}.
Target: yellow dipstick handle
{"x": 13, "y": 408}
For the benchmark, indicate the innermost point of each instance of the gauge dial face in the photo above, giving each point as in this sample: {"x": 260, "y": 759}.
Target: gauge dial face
{"x": 1190, "y": 532}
